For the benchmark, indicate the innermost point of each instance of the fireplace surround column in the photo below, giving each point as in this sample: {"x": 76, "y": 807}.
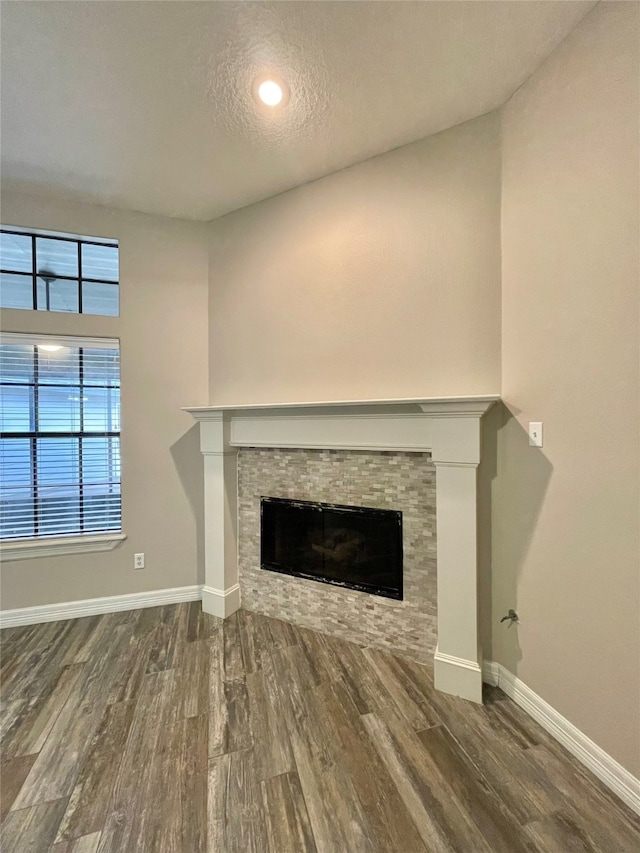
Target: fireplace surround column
{"x": 221, "y": 592}
{"x": 455, "y": 449}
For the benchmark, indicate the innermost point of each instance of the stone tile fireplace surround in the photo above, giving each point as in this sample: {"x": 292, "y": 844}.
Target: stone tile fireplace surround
{"x": 351, "y": 453}
{"x": 386, "y": 480}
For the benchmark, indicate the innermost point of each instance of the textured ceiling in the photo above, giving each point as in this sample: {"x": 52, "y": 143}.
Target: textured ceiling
{"x": 148, "y": 106}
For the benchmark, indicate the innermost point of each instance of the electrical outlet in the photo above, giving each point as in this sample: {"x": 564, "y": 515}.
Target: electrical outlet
{"x": 138, "y": 561}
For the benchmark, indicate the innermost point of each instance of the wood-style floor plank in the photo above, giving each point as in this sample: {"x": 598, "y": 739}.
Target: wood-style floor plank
{"x": 218, "y": 715}
{"x": 442, "y": 824}
{"x": 396, "y": 686}
{"x": 193, "y": 734}
{"x": 85, "y": 844}
{"x": 13, "y": 772}
{"x": 166, "y": 730}
{"x": 287, "y": 823}
{"x": 36, "y": 724}
{"x": 559, "y": 832}
{"x": 232, "y": 650}
{"x": 470, "y": 789}
{"x": 32, "y": 830}
{"x": 337, "y": 817}
{"x": 55, "y": 770}
{"x": 573, "y": 787}
{"x": 236, "y": 819}
{"x": 393, "y": 826}
{"x": 271, "y": 745}
{"x": 165, "y": 635}
{"x": 524, "y": 791}
{"x": 90, "y": 798}
{"x": 138, "y": 784}
{"x": 28, "y": 688}
{"x": 192, "y": 691}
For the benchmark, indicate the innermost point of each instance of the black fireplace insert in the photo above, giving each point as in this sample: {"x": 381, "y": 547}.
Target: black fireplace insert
{"x": 349, "y": 546}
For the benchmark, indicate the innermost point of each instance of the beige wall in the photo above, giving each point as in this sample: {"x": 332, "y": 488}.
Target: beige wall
{"x": 163, "y": 333}
{"x": 566, "y": 551}
{"x": 380, "y": 281}
{"x": 384, "y": 281}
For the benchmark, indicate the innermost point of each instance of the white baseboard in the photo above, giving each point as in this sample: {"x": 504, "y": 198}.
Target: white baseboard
{"x": 221, "y": 602}
{"x": 606, "y": 768}
{"x": 458, "y": 676}
{"x": 94, "y": 606}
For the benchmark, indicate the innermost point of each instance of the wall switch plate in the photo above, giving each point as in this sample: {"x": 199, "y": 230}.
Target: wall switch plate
{"x": 535, "y": 434}
{"x": 138, "y": 561}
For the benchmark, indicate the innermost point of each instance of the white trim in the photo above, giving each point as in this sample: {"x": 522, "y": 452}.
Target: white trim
{"x": 399, "y": 432}
{"x": 26, "y": 549}
{"x": 42, "y": 232}
{"x": 458, "y": 676}
{"x": 95, "y": 606}
{"x": 606, "y": 768}
{"x": 491, "y": 673}
{"x": 35, "y": 338}
{"x": 221, "y": 602}
{"x": 455, "y": 464}
{"x": 483, "y": 402}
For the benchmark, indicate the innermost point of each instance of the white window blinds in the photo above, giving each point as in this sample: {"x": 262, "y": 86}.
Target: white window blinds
{"x": 60, "y": 436}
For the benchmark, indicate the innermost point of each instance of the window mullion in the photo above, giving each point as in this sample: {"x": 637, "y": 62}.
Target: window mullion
{"x": 80, "y": 473}
{"x": 79, "y": 277}
{"x": 34, "y": 442}
{"x": 34, "y": 273}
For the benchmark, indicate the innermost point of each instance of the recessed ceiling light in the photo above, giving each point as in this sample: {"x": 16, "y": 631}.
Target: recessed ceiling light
{"x": 49, "y": 347}
{"x": 270, "y": 93}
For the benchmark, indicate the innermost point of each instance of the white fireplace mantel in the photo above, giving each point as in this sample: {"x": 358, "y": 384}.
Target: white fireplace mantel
{"x": 448, "y": 428}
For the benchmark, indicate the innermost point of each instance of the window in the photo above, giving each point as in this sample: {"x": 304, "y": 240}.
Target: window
{"x": 58, "y": 273}
{"x": 60, "y": 436}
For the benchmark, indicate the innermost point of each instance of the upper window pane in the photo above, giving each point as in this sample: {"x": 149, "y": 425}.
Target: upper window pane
{"x": 100, "y": 262}
{"x": 16, "y": 290}
{"x": 16, "y": 408}
{"x": 70, "y": 275}
{"x": 56, "y": 257}
{"x": 16, "y": 363}
{"x": 15, "y": 252}
{"x": 101, "y": 367}
{"x": 58, "y": 365}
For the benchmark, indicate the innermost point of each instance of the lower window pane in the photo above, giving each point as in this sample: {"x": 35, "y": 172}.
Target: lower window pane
{"x": 16, "y": 492}
{"x": 98, "y": 298}
{"x": 16, "y": 408}
{"x": 102, "y": 512}
{"x": 58, "y": 462}
{"x": 100, "y": 464}
{"x": 58, "y": 294}
{"x": 16, "y": 515}
{"x": 15, "y": 464}
{"x": 58, "y": 510}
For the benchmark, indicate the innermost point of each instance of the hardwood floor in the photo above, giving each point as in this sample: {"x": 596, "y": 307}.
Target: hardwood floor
{"x": 166, "y": 730}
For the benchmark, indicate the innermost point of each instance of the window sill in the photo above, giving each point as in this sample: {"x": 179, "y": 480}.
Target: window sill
{"x": 27, "y": 549}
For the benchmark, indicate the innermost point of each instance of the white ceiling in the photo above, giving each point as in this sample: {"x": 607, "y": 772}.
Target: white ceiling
{"x": 147, "y": 105}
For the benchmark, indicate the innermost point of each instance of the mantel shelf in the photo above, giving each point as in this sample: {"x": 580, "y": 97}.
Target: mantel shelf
{"x": 473, "y": 405}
